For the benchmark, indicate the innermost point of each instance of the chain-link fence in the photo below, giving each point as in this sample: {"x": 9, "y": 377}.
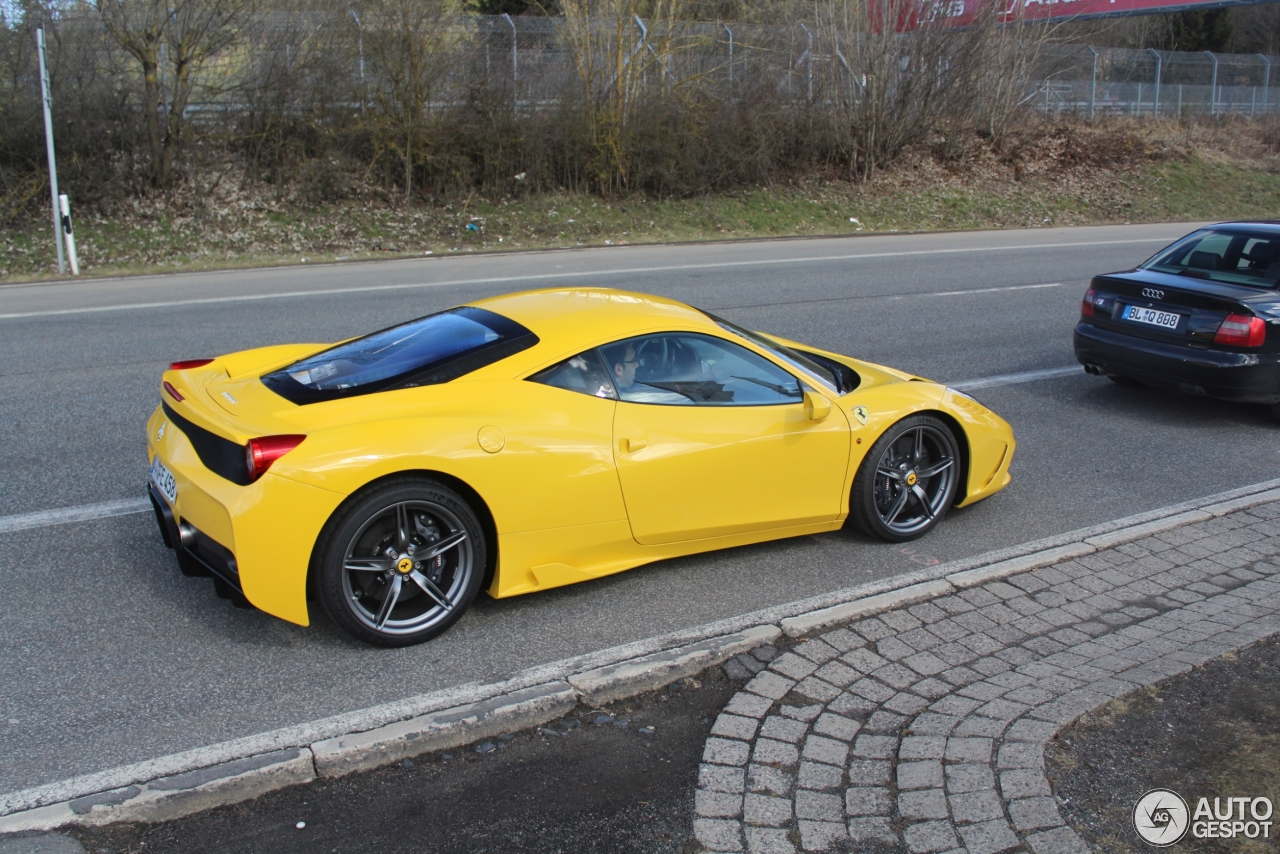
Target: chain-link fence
{"x": 535, "y": 61}
{"x": 1089, "y": 81}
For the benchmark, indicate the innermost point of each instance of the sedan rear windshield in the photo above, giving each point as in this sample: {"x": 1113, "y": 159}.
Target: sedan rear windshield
{"x": 1235, "y": 256}
{"x": 426, "y": 351}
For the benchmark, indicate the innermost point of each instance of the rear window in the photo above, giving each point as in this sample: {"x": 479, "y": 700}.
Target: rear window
{"x": 427, "y": 351}
{"x": 1238, "y": 257}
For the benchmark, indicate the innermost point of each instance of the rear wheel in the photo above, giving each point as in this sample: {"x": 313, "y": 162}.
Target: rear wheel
{"x": 907, "y": 481}
{"x": 402, "y": 563}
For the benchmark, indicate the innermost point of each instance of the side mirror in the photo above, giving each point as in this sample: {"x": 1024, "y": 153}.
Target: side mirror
{"x": 816, "y": 407}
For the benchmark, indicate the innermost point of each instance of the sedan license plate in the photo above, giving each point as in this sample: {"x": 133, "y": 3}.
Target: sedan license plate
{"x": 1165, "y": 319}
{"x": 164, "y": 481}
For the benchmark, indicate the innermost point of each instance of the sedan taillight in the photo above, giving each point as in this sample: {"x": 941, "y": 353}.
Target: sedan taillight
{"x": 1241, "y": 330}
{"x": 260, "y": 453}
{"x": 1086, "y": 305}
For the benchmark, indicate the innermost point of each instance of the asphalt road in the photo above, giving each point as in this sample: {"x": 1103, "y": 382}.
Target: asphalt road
{"x": 113, "y": 657}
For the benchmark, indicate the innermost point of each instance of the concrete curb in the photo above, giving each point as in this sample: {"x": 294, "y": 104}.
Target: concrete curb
{"x": 626, "y": 679}
{"x": 361, "y": 751}
{"x": 383, "y": 734}
{"x": 797, "y": 626}
{"x": 177, "y": 796}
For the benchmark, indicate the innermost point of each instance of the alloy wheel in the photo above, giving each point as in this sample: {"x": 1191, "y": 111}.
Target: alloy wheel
{"x": 407, "y": 568}
{"x": 915, "y": 480}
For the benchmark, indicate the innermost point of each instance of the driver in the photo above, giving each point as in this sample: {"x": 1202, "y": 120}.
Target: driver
{"x": 624, "y": 372}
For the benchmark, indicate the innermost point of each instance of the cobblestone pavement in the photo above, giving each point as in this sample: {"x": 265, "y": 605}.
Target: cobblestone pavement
{"x": 923, "y": 728}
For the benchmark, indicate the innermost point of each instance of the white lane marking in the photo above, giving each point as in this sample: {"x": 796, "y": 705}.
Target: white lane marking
{"x": 626, "y": 271}
{"x": 889, "y": 296}
{"x": 990, "y": 290}
{"x": 83, "y": 513}
{"x": 1013, "y": 379}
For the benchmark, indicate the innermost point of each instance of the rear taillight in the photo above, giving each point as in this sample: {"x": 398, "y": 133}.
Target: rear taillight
{"x": 188, "y": 363}
{"x": 1241, "y": 330}
{"x": 173, "y": 392}
{"x": 1086, "y": 305}
{"x": 260, "y": 453}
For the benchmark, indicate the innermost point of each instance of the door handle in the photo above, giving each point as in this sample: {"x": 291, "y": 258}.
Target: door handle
{"x": 628, "y": 446}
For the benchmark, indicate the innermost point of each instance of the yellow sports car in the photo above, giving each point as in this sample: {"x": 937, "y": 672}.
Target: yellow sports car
{"x": 533, "y": 440}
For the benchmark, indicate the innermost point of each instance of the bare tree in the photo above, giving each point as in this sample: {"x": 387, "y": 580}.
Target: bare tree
{"x": 617, "y": 56}
{"x": 186, "y": 34}
{"x": 900, "y": 73}
{"x": 413, "y": 45}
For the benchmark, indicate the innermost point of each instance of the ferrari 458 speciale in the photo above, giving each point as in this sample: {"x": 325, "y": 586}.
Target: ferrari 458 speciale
{"x": 533, "y": 440}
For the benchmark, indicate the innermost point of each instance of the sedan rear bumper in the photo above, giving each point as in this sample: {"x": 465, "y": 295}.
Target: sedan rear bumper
{"x": 1241, "y": 377}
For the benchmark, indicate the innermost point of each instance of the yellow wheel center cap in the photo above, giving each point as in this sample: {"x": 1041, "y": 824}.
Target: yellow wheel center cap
{"x": 405, "y": 565}
{"x": 911, "y": 478}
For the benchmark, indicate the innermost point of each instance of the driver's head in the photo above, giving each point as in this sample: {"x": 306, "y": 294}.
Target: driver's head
{"x": 624, "y": 372}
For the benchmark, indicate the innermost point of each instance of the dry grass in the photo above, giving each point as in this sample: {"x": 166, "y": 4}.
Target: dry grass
{"x": 1054, "y": 175}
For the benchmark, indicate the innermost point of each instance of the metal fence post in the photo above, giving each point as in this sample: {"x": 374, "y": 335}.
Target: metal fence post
{"x": 1266, "y": 81}
{"x": 1093, "y": 80}
{"x": 164, "y": 80}
{"x": 1213, "y": 87}
{"x": 360, "y": 50}
{"x": 730, "y": 32}
{"x": 515, "y": 68}
{"x": 46, "y": 99}
{"x": 1155, "y": 106}
{"x": 808, "y": 58}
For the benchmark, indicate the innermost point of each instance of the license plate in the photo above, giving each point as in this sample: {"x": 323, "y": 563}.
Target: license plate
{"x": 164, "y": 481}
{"x": 1166, "y": 319}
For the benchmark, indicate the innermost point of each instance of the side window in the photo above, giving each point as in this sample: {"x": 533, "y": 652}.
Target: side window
{"x": 1260, "y": 258}
{"x": 1208, "y": 253}
{"x": 582, "y": 373}
{"x": 687, "y": 369}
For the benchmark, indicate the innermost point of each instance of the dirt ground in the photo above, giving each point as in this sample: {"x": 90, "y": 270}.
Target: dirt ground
{"x": 616, "y": 781}
{"x": 1213, "y": 733}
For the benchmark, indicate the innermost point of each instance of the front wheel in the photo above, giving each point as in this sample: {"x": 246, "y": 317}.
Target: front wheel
{"x": 907, "y": 481}
{"x": 401, "y": 563}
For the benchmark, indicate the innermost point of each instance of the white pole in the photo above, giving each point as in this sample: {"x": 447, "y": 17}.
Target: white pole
{"x": 47, "y": 99}
{"x": 68, "y": 234}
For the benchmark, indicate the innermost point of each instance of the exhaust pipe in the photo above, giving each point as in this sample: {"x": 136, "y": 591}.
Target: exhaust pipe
{"x": 1094, "y": 370}
{"x": 186, "y": 535}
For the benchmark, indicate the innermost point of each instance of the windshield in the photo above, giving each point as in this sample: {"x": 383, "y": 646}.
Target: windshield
{"x": 1235, "y": 256}
{"x": 426, "y": 351}
{"x": 791, "y": 357}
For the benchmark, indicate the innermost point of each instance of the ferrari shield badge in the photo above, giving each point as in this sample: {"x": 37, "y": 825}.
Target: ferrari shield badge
{"x": 860, "y": 413}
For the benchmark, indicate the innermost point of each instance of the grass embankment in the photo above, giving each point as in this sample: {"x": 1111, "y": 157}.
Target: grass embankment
{"x": 1050, "y": 178}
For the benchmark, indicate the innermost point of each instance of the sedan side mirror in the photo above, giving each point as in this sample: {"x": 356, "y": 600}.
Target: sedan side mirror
{"x": 816, "y": 407}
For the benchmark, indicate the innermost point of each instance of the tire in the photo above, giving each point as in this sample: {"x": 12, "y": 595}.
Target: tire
{"x": 1275, "y": 411}
{"x": 409, "y": 538}
{"x": 907, "y": 481}
{"x": 1124, "y": 382}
